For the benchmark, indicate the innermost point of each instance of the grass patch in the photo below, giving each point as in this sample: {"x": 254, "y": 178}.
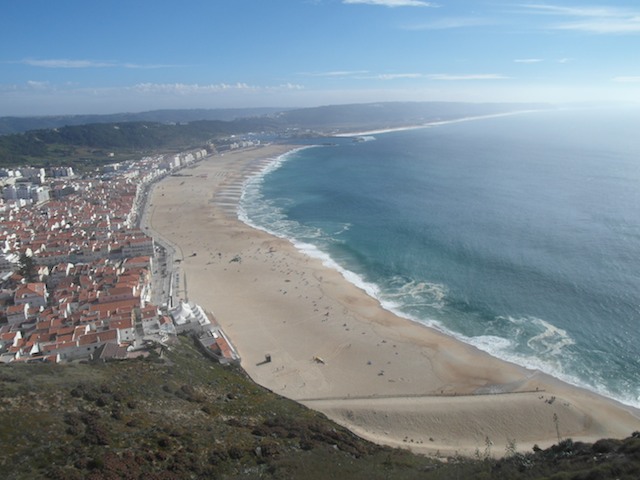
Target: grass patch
{"x": 184, "y": 416}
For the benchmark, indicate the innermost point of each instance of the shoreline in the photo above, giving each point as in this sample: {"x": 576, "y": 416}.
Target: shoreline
{"x": 372, "y": 289}
{"x": 383, "y": 376}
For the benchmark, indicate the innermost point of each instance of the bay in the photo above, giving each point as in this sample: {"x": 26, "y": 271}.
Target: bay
{"x": 518, "y": 234}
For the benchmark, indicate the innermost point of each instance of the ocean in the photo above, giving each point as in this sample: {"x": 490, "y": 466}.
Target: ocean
{"x": 517, "y": 234}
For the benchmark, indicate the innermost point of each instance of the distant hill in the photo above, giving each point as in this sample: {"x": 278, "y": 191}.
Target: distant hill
{"x": 339, "y": 116}
{"x": 393, "y": 114}
{"x": 9, "y": 125}
{"x": 90, "y": 144}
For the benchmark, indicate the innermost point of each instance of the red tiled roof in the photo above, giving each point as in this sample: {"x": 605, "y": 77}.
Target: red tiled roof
{"x": 121, "y": 324}
{"x": 98, "y": 337}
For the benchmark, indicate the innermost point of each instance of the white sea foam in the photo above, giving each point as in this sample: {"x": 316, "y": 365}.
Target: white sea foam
{"x": 251, "y": 186}
{"x": 549, "y": 356}
{"x": 551, "y": 341}
{"x": 345, "y": 227}
{"x": 413, "y": 293}
{"x": 546, "y": 347}
{"x": 491, "y": 343}
{"x": 314, "y": 252}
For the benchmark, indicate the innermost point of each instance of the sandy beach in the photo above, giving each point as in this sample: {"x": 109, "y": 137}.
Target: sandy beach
{"x": 386, "y": 378}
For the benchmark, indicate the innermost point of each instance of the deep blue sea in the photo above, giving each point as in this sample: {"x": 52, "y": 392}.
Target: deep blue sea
{"x": 518, "y": 234}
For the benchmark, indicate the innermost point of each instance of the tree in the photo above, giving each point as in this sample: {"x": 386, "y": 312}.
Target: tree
{"x": 27, "y": 267}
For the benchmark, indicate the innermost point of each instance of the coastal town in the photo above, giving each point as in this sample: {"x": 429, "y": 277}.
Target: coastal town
{"x": 81, "y": 278}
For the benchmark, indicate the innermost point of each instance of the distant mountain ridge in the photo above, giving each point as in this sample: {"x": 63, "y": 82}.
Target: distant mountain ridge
{"x": 97, "y": 142}
{"x": 336, "y": 116}
{"x": 13, "y": 124}
{"x": 394, "y": 114}
{"x": 92, "y": 144}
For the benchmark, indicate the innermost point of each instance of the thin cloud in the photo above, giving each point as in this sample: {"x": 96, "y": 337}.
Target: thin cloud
{"x": 474, "y": 76}
{"x": 631, "y": 25}
{"x": 147, "y": 66}
{"x": 197, "y": 89}
{"x": 67, "y": 63}
{"x": 600, "y": 20}
{"x": 528, "y": 60}
{"x": 37, "y": 85}
{"x": 579, "y": 11}
{"x": 64, "y": 63}
{"x": 149, "y": 88}
{"x": 365, "y": 75}
{"x": 391, "y": 3}
{"x": 188, "y": 89}
{"x": 627, "y": 79}
{"x": 336, "y": 73}
{"x": 451, "y": 23}
{"x": 395, "y": 76}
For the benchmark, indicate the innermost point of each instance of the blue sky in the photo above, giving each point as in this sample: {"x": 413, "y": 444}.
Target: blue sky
{"x": 79, "y": 56}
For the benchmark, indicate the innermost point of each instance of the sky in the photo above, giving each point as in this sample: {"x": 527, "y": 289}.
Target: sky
{"x": 80, "y": 57}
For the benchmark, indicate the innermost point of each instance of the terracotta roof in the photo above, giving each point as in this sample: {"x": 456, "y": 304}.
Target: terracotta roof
{"x": 14, "y": 309}
{"x": 98, "y": 337}
{"x": 121, "y": 323}
{"x": 31, "y": 289}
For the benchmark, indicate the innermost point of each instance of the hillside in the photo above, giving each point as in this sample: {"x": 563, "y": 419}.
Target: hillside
{"x": 88, "y": 145}
{"x": 180, "y": 415}
{"x": 9, "y": 125}
{"x": 392, "y": 114}
{"x": 84, "y": 146}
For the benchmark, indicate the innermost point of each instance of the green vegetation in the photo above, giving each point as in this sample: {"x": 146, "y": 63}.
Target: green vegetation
{"x": 128, "y": 136}
{"x": 9, "y": 125}
{"x": 27, "y": 267}
{"x": 89, "y": 146}
{"x": 179, "y": 415}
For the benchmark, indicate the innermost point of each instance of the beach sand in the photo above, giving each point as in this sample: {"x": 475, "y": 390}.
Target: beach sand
{"x": 387, "y": 379}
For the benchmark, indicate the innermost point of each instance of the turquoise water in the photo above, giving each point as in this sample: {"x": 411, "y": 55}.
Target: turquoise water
{"x": 519, "y": 234}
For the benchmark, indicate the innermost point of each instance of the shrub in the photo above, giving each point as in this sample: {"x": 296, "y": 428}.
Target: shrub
{"x": 606, "y": 445}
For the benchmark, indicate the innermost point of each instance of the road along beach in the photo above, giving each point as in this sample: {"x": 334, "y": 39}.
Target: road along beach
{"x": 338, "y": 351}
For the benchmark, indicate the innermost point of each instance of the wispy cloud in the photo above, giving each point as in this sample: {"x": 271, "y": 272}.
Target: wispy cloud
{"x": 36, "y": 97}
{"x": 37, "y": 85}
{"x": 473, "y": 76}
{"x": 392, "y": 3}
{"x": 149, "y": 88}
{"x": 64, "y": 63}
{"x": 197, "y": 89}
{"x": 451, "y": 23}
{"x": 147, "y": 66}
{"x": 528, "y": 60}
{"x": 627, "y": 79}
{"x": 68, "y": 63}
{"x": 601, "y": 20}
{"x": 366, "y": 75}
{"x": 335, "y": 73}
{"x": 363, "y": 75}
{"x": 604, "y": 11}
{"x": 395, "y": 76}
